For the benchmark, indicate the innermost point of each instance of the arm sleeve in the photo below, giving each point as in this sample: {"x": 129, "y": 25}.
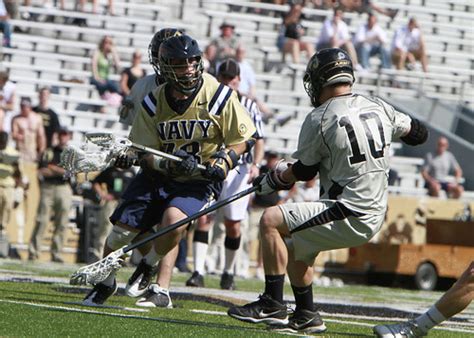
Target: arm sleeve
{"x": 309, "y": 142}
{"x": 237, "y": 126}
{"x": 401, "y": 122}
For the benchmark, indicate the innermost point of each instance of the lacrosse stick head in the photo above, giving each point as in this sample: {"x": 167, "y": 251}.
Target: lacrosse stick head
{"x": 75, "y": 160}
{"x": 97, "y": 272}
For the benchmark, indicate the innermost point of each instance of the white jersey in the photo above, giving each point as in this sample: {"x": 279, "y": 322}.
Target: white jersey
{"x": 349, "y": 136}
{"x": 132, "y": 102}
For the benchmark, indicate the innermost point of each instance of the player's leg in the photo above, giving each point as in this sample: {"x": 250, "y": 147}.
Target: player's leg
{"x": 158, "y": 294}
{"x": 269, "y": 308}
{"x": 453, "y": 301}
{"x": 200, "y": 247}
{"x": 234, "y": 213}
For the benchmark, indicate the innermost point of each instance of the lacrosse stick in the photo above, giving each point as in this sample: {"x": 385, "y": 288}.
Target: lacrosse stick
{"x": 100, "y": 270}
{"x": 76, "y": 160}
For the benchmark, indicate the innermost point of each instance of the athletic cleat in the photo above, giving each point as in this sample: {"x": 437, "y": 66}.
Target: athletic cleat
{"x": 264, "y": 310}
{"x": 227, "y": 281}
{"x": 196, "y": 280}
{"x": 156, "y": 296}
{"x": 99, "y": 294}
{"x": 399, "y": 330}
{"x": 138, "y": 283}
{"x": 302, "y": 321}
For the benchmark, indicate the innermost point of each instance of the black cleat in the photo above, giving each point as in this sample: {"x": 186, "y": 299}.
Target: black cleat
{"x": 140, "y": 280}
{"x": 302, "y": 321}
{"x": 99, "y": 294}
{"x": 195, "y": 280}
{"x": 227, "y": 281}
{"x": 156, "y": 296}
{"x": 264, "y": 310}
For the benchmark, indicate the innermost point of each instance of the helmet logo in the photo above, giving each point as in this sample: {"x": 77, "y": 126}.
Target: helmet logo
{"x": 341, "y": 55}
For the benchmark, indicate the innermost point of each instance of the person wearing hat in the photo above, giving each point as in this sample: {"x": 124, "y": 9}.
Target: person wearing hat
{"x": 226, "y": 43}
{"x": 56, "y": 199}
{"x": 237, "y": 181}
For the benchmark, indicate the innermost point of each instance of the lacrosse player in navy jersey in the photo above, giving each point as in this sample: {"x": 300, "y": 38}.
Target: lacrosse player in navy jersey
{"x": 237, "y": 181}
{"x": 195, "y": 118}
{"x": 128, "y": 111}
{"x": 346, "y": 140}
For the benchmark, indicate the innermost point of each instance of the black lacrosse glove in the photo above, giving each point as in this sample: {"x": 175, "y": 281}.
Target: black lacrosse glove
{"x": 124, "y": 161}
{"x": 187, "y": 166}
{"x": 271, "y": 182}
{"x": 220, "y": 164}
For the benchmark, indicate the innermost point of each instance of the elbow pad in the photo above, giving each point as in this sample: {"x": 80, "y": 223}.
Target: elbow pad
{"x": 418, "y": 134}
{"x": 303, "y": 172}
{"x": 249, "y": 144}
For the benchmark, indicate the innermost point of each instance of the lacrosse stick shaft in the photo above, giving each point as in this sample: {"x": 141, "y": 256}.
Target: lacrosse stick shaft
{"x": 191, "y": 218}
{"x": 161, "y": 154}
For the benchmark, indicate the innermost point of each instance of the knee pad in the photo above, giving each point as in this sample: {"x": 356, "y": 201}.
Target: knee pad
{"x": 119, "y": 237}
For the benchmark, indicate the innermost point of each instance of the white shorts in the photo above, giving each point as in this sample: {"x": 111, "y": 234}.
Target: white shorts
{"x": 345, "y": 233}
{"x": 236, "y": 182}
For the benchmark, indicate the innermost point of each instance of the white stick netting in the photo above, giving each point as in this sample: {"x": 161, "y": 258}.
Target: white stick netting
{"x": 98, "y": 271}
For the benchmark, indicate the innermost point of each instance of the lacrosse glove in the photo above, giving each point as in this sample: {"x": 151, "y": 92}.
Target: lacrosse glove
{"x": 271, "y": 182}
{"x": 187, "y": 166}
{"x": 124, "y": 161}
{"x": 220, "y": 164}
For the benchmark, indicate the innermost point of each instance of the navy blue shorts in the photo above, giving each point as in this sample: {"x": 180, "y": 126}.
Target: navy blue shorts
{"x": 145, "y": 200}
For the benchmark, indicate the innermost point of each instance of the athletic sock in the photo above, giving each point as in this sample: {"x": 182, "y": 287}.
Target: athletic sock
{"x": 152, "y": 257}
{"x": 274, "y": 286}
{"x": 200, "y": 246}
{"x": 303, "y": 297}
{"x": 429, "y": 319}
{"x": 109, "y": 281}
{"x": 231, "y": 246}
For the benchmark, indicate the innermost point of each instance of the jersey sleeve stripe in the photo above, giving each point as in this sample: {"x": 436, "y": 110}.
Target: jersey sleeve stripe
{"x": 149, "y": 103}
{"x": 215, "y": 97}
{"x": 219, "y": 100}
{"x": 252, "y": 108}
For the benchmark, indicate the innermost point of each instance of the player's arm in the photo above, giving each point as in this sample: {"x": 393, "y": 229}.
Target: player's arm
{"x": 237, "y": 130}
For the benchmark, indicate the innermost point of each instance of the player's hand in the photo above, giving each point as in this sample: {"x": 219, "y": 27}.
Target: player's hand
{"x": 254, "y": 171}
{"x": 124, "y": 161}
{"x": 187, "y": 166}
{"x": 271, "y": 182}
{"x": 218, "y": 167}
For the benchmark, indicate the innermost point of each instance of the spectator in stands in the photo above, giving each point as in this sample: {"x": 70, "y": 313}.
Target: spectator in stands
{"x": 49, "y": 116}
{"x": 95, "y": 6}
{"x": 364, "y": 6}
{"x": 5, "y": 26}
{"x": 437, "y": 169}
{"x": 306, "y": 192}
{"x": 226, "y": 44}
{"x": 408, "y": 46}
{"x": 209, "y": 59}
{"x": 370, "y": 40}
{"x": 56, "y": 199}
{"x": 109, "y": 186}
{"x": 10, "y": 177}
{"x": 248, "y": 82}
{"x": 132, "y": 74}
{"x": 335, "y": 34}
{"x": 289, "y": 40}
{"x": 7, "y": 100}
{"x": 28, "y": 132}
{"x": 103, "y": 59}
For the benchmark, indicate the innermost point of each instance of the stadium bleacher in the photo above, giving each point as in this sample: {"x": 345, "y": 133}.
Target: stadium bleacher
{"x": 51, "y": 52}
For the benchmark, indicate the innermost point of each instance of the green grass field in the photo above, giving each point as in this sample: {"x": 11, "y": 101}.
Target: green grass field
{"x": 48, "y": 308}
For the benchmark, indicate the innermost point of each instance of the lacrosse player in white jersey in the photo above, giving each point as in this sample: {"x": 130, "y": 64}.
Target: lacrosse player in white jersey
{"x": 346, "y": 140}
{"x": 238, "y": 180}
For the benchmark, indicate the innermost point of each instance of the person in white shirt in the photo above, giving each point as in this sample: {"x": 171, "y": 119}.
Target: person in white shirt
{"x": 247, "y": 74}
{"x": 7, "y": 101}
{"x": 408, "y": 45}
{"x": 370, "y": 40}
{"x": 335, "y": 34}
